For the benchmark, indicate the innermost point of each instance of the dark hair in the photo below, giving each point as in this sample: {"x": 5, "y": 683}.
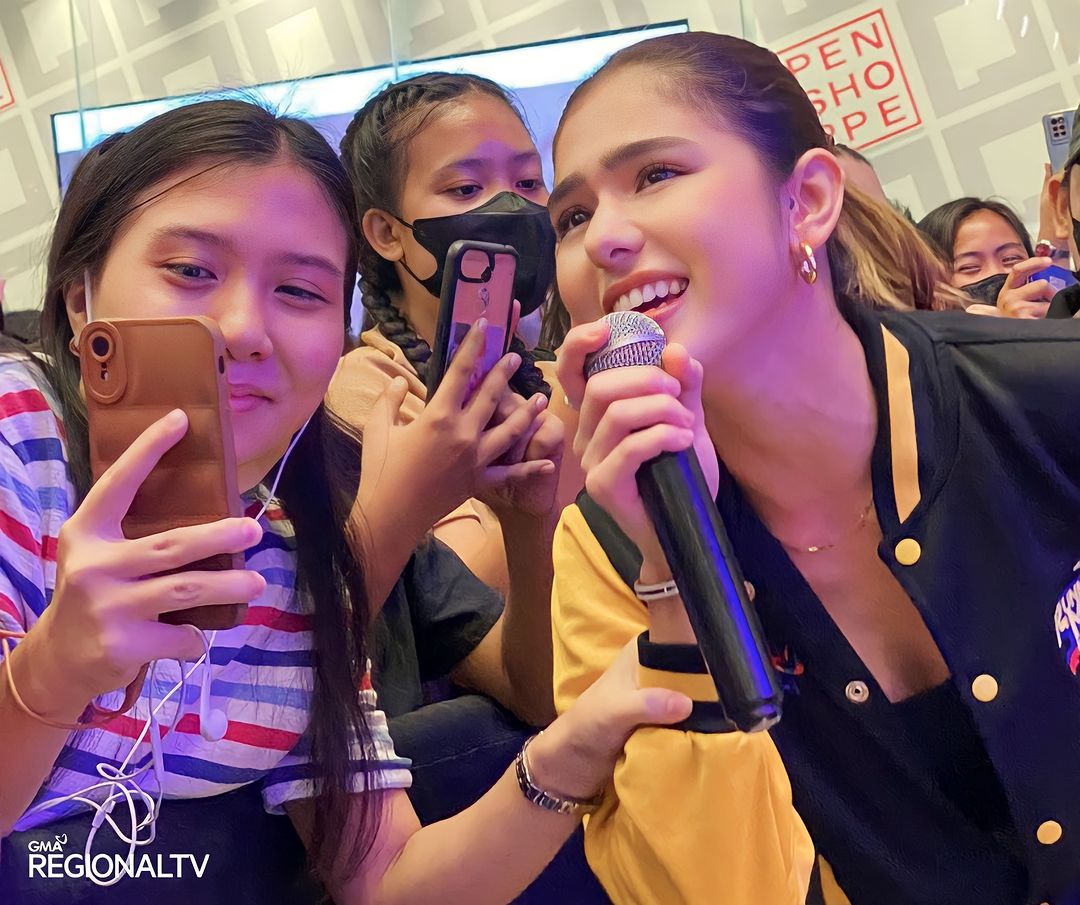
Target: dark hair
{"x": 1065, "y": 182}
{"x": 374, "y": 150}
{"x": 942, "y": 224}
{"x": 845, "y": 151}
{"x": 554, "y": 324}
{"x": 319, "y": 481}
{"x": 875, "y": 256}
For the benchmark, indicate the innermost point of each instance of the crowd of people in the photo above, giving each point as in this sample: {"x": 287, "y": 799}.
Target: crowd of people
{"x": 449, "y": 685}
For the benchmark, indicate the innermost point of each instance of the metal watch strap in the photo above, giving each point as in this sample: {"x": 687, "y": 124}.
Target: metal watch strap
{"x": 546, "y": 800}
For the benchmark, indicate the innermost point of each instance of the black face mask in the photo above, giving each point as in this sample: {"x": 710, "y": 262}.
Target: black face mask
{"x": 507, "y": 219}
{"x": 986, "y": 290}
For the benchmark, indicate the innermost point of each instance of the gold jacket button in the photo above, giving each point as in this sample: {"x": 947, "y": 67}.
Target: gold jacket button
{"x": 908, "y": 551}
{"x": 984, "y": 688}
{"x": 857, "y": 692}
{"x": 1048, "y": 833}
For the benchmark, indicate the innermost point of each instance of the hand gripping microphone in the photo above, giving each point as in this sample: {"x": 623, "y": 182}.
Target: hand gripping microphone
{"x": 697, "y": 547}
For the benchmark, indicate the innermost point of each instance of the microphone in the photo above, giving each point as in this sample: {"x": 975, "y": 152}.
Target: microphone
{"x": 688, "y": 525}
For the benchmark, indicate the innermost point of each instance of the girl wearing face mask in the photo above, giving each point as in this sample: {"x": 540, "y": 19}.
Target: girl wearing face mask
{"x": 901, "y": 488}
{"x": 990, "y": 256}
{"x": 222, "y": 209}
{"x": 435, "y": 159}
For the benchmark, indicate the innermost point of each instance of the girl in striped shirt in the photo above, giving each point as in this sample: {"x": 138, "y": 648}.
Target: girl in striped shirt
{"x": 224, "y": 210}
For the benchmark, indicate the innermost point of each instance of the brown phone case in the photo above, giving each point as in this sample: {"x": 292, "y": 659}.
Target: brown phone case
{"x": 135, "y": 371}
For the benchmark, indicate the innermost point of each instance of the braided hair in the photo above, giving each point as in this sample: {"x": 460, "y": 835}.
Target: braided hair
{"x": 373, "y": 151}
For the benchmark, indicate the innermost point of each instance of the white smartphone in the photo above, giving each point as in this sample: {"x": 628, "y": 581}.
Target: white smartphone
{"x": 1057, "y": 127}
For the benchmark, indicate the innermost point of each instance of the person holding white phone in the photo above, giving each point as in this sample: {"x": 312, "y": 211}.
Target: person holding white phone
{"x": 1066, "y": 217}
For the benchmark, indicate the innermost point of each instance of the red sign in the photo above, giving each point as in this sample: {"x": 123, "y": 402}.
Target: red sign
{"x": 7, "y": 99}
{"x": 854, "y": 77}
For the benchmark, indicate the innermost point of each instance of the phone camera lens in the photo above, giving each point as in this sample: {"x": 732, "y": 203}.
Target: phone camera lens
{"x": 100, "y": 346}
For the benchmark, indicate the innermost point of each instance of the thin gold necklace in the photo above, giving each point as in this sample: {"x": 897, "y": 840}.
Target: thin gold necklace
{"x": 821, "y": 548}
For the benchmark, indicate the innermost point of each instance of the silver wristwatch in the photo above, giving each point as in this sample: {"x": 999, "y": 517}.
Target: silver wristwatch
{"x": 546, "y": 800}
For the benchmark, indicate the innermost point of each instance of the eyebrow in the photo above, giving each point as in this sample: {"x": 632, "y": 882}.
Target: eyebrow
{"x": 614, "y": 159}
{"x": 478, "y": 163}
{"x": 996, "y": 251}
{"x": 215, "y": 240}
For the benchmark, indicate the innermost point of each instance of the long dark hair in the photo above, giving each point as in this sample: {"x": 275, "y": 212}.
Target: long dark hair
{"x": 374, "y": 150}
{"x": 875, "y": 256}
{"x": 320, "y": 479}
{"x": 942, "y": 224}
{"x": 555, "y": 323}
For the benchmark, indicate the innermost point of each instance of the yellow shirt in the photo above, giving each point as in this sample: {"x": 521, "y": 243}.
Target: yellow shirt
{"x": 690, "y": 818}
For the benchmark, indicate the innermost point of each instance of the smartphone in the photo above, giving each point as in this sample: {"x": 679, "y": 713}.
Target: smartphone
{"x": 1058, "y": 277}
{"x": 135, "y": 371}
{"x": 1057, "y": 128}
{"x": 478, "y": 281}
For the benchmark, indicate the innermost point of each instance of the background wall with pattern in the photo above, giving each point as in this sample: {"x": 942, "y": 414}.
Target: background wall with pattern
{"x": 946, "y": 96}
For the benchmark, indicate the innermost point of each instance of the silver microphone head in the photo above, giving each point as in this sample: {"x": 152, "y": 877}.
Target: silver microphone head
{"x": 635, "y": 340}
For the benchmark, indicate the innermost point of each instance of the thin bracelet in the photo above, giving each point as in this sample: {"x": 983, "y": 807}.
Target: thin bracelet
{"x": 651, "y": 592}
{"x": 98, "y": 716}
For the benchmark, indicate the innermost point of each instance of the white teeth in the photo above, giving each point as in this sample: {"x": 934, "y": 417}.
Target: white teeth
{"x": 642, "y": 295}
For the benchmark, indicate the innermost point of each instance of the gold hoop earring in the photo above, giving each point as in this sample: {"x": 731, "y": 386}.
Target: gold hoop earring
{"x": 808, "y": 266}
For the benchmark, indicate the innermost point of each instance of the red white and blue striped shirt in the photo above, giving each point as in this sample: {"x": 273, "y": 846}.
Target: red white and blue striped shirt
{"x": 262, "y": 674}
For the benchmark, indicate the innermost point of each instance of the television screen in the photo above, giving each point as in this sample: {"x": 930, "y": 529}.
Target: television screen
{"x": 541, "y": 75}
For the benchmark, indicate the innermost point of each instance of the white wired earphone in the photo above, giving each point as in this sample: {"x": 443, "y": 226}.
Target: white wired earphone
{"x": 213, "y": 726}
{"x": 213, "y": 723}
{"x": 123, "y": 785}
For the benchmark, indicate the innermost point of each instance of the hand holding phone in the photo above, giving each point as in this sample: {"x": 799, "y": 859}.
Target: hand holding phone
{"x": 105, "y": 619}
{"x": 457, "y": 447}
{"x": 478, "y": 282}
{"x": 134, "y": 372}
{"x": 1020, "y": 296}
{"x": 1057, "y": 277}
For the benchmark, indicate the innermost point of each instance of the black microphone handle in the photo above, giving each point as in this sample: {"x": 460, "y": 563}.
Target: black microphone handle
{"x": 704, "y": 566}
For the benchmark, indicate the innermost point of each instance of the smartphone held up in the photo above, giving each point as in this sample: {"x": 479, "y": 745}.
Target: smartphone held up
{"x": 1057, "y": 129}
{"x": 134, "y": 372}
{"x": 478, "y": 282}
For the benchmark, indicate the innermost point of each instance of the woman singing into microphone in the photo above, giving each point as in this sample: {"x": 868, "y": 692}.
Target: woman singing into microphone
{"x": 902, "y": 489}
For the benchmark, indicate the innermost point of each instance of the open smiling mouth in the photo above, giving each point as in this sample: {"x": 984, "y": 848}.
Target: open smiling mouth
{"x": 651, "y": 296}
